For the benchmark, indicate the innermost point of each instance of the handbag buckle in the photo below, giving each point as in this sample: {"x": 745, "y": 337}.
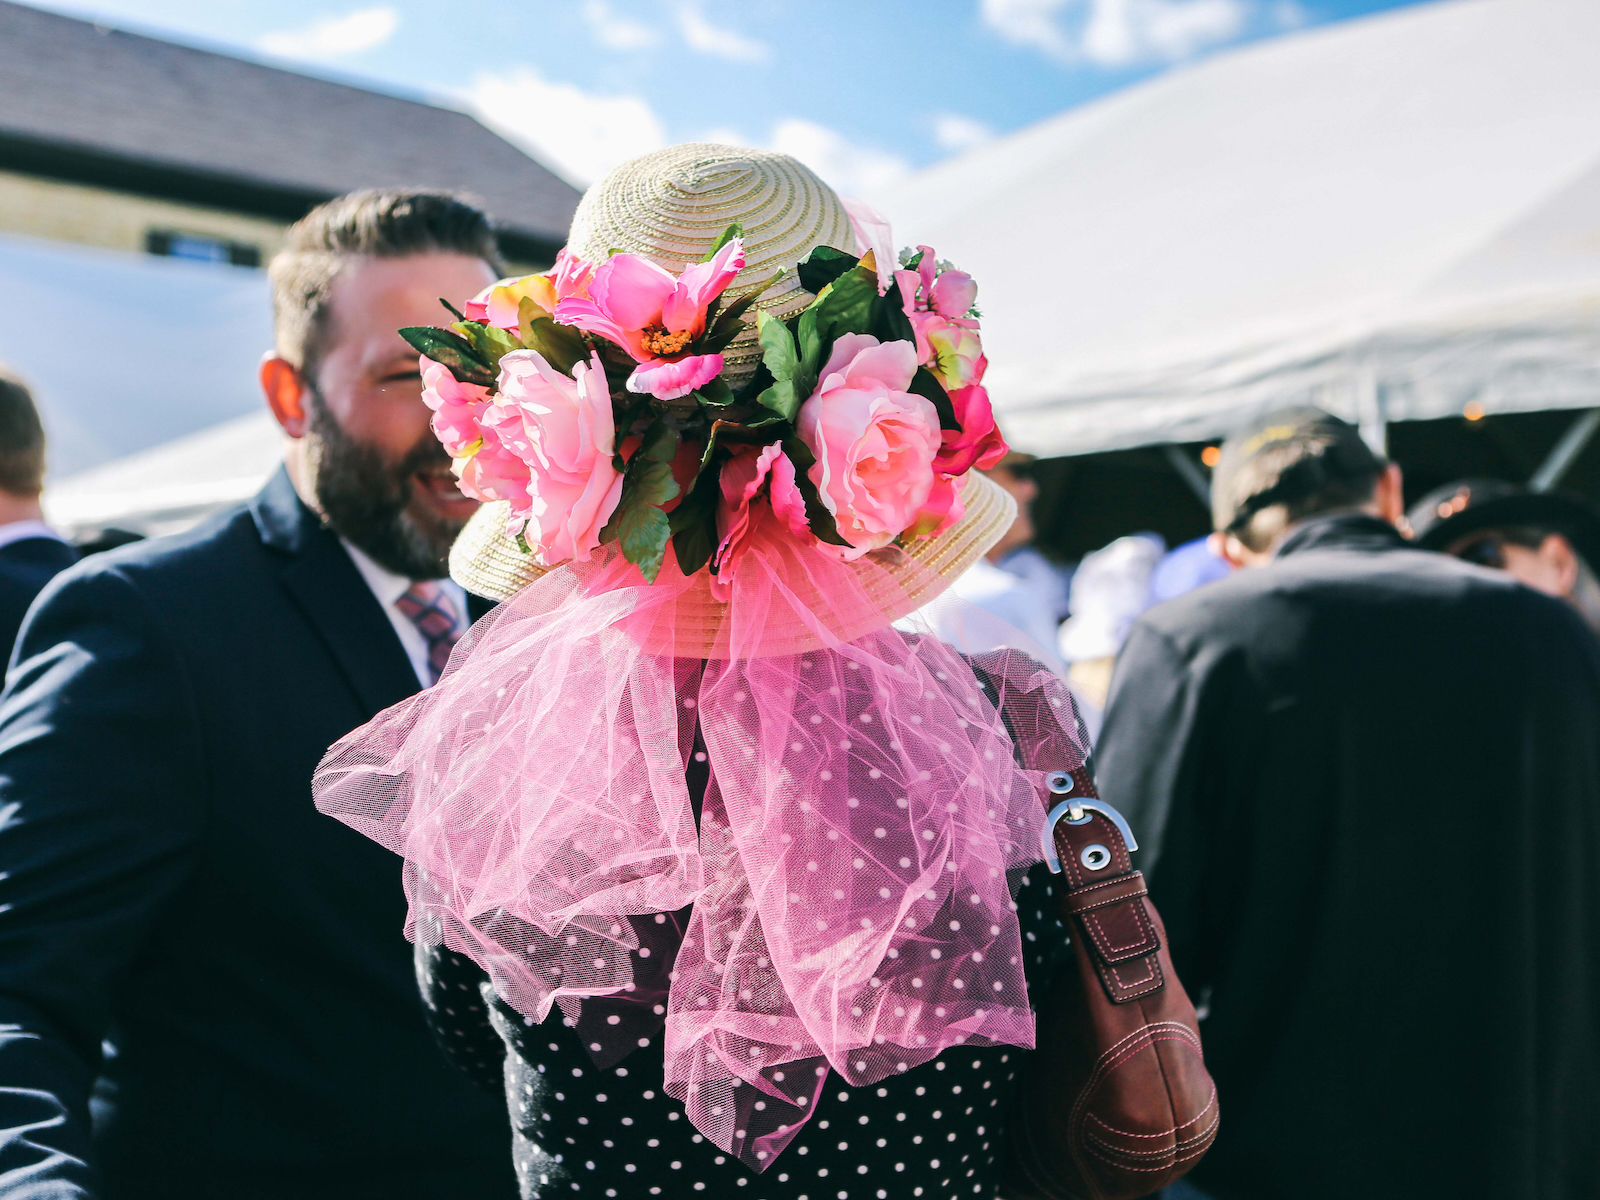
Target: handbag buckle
{"x": 1076, "y": 812}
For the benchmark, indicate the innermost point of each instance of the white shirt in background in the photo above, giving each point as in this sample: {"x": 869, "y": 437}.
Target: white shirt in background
{"x": 389, "y": 587}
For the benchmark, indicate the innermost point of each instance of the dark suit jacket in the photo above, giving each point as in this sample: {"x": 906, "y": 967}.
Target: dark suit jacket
{"x": 1373, "y": 775}
{"x": 164, "y": 877}
{"x": 26, "y": 565}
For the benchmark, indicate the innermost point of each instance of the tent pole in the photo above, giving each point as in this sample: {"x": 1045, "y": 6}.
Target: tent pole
{"x": 1565, "y": 451}
{"x": 1191, "y": 474}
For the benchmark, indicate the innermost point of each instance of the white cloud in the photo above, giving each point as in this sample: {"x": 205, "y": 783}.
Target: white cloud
{"x": 1030, "y": 23}
{"x": 1118, "y": 33}
{"x": 617, "y": 32}
{"x": 335, "y": 37}
{"x": 956, "y": 132}
{"x": 846, "y": 166}
{"x": 580, "y": 135}
{"x": 714, "y": 40}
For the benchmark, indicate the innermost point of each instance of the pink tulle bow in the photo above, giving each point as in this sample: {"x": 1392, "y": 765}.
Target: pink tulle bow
{"x": 847, "y": 865}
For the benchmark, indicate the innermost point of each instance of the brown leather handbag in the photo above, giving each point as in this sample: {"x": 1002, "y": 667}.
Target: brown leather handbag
{"x": 1116, "y": 1101}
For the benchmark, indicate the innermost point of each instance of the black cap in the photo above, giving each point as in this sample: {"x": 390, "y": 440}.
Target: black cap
{"x": 1450, "y": 513}
{"x": 1285, "y": 458}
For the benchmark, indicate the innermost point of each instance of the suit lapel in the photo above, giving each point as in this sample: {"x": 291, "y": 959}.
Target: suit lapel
{"x": 325, "y": 585}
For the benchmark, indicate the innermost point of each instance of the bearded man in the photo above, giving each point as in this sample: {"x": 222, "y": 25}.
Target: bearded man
{"x": 183, "y": 938}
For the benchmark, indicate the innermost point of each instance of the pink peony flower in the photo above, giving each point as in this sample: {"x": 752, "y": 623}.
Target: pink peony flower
{"x": 456, "y": 407}
{"x": 561, "y": 429}
{"x": 741, "y": 479}
{"x": 655, "y": 317}
{"x": 937, "y": 303}
{"x": 500, "y": 304}
{"x": 873, "y": 440}
{"x": 979, "y": 443}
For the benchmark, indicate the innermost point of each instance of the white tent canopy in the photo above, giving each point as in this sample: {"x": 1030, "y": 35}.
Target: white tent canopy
{"x": 1392, "y": 218}
{"x": 127, "y": 351}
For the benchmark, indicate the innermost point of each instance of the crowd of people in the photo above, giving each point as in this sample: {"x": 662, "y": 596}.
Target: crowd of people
{"x": 1357, "y": 748}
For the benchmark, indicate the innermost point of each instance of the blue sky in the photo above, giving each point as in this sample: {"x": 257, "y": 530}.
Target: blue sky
{"x": 863, "y": 90}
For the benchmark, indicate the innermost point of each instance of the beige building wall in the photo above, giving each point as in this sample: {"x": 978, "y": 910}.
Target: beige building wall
{"x": 90, "y": 216}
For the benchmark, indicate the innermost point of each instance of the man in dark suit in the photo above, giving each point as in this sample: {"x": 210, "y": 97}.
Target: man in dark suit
{"x": 1366, "y": 783}
{"x": 165, "y": 883}
{"x": 31, "y": 553}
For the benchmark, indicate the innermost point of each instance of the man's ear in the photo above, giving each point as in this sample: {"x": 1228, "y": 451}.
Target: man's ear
{"x": 1234, "y": 552}
{"x": 1563, "y": 559}
{"x": 1389, "y": 497}
{"x": 285, "y": 390}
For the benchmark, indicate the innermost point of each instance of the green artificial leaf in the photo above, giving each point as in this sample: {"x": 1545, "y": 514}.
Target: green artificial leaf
{"x": 642, "y": 528}
{"x": 694, "y": 523}
{"x": 817, "y": 514}
{"x": 723, "y": 238}
{"x": 491, "y": 342}
{"x": 722, "y": 329}
{"x": 822, "y": 266}
{"x": 810, "y": 340}
{"x": 782, "y": 398}
{"x": 454, "y": 311}
{"x": 561, "y": 345}
{"x": 660, "y": 442}
{"x": 846, "y": 305}
{"x": 522, "y": 541}
{"x": 451, "y": 351}
{"x": 716, "y": 393}
{"x": 890, "y": 323}
{"x": 925, "y": 385}
{"x": 777, "y": 347}
{"x": 910, "y": 260}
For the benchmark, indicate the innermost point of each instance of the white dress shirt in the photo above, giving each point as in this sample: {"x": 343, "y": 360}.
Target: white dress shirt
{"x": 389, "y": 587}
{"x": 18, "y": 531}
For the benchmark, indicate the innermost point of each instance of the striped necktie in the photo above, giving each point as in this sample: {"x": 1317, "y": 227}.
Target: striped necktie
{"x": 429, "y": 607}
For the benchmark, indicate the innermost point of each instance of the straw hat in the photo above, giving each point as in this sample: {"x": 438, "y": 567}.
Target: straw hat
{"x": 670, "y": 207}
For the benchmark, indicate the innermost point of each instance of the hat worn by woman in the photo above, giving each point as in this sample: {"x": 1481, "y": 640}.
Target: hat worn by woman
{"x": 723, "y": 445}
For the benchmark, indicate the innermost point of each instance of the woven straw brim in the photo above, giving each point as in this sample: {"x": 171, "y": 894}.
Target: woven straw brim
{"x": 488, "y": 563}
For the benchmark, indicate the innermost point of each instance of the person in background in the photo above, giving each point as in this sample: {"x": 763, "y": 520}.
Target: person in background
{"x": 1195, "y": 563}
{"x": 1364, "y": 779}
{"x": 164, "y": 878}
{"x": 1016, "y": 554}
{"x": 31, "y": 553}
{"x": 990, "y": 604}
{"x": 1548, "y": 541}
{"x": 1110, "y": 588}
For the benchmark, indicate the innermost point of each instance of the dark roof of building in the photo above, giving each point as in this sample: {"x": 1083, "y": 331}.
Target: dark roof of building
{"x": 85, "y": 102}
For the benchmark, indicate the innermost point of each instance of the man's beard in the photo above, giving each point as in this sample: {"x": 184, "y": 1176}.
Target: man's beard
{"x": 370, "y": 501}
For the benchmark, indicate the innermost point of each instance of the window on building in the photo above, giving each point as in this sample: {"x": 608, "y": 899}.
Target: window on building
{"x": 199, "y": 247}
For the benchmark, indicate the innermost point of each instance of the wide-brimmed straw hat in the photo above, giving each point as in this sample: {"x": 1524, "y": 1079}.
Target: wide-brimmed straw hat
{"x": 670, "y": 207}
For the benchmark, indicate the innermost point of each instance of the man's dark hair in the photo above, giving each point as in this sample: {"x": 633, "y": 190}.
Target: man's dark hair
{"x": 21, "y": 439}
{"x": 376, "y": 223}
{"x": 1287, "y": 467}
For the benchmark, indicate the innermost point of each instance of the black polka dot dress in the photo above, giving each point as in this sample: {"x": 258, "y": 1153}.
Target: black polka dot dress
{"x": 932, "y": 1132}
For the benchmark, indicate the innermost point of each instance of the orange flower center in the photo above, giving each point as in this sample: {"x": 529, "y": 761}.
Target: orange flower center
{"x": 662, "y": 344}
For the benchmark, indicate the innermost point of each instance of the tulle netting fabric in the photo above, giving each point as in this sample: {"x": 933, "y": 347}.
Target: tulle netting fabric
{"x": 840, "y": 904}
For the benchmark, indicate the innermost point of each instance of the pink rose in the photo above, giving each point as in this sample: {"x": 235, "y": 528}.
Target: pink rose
{"x": 561, "y": 429}
{"x": 740, "y": 512}
{"x": 874, "y": 441}
{"x": 979, "y": 443}
{"x": 492, "y": 472}
{"x": 456, "y": 407}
